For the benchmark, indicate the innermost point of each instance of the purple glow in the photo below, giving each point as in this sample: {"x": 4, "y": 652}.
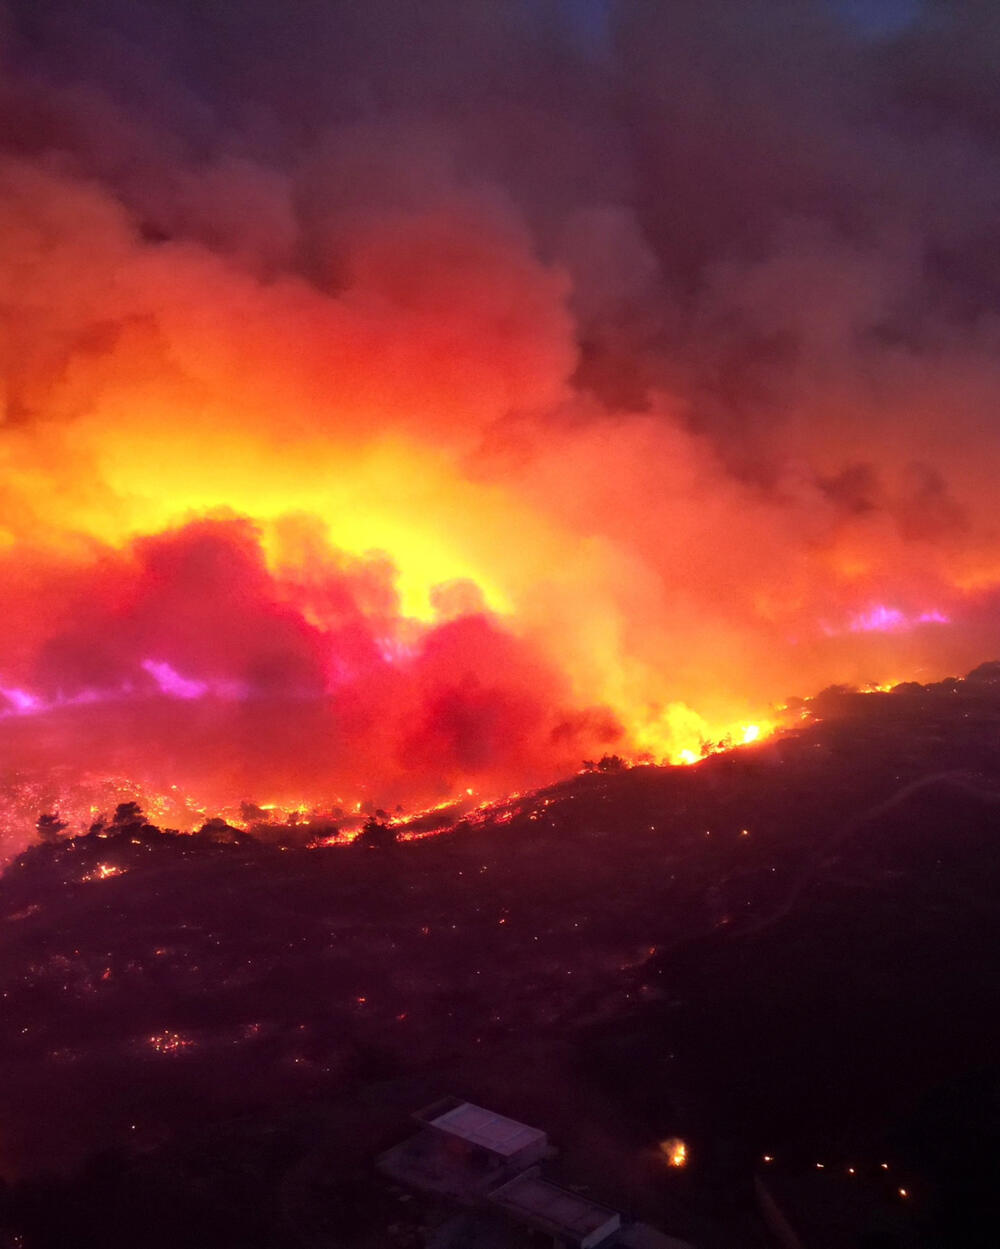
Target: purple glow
{"x": 394, "y": 651}
{"x": 879, "y": 619}
{"x": 882, "y": 619}
{"x": 20, "y": 700}
{"x": 171, "y": 682}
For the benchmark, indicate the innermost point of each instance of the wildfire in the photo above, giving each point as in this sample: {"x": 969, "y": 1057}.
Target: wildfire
{"x": 373, "y": 488}
{"x": 675, "y": 1151}
{"x": 104, "y": 871}
{"x": 682, "y": 737}
{"x": 169, "y": 1043}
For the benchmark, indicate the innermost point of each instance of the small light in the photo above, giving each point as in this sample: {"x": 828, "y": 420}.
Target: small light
{"x": 903, "y": 1193}
{"x": 820, "y": 1166}
{"x": 884, "y": 1166}
{"x": 768, "y": 1157}
{"x": 850, "y": 1170}
{"x": 675, "y": 1151}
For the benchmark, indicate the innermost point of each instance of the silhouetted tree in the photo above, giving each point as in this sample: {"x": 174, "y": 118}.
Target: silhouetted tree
{"x": 128, "y": 815}
{"x": 130, "y": 822}
{"x": 217, "y": 831}
{"x": 323, "y": 829}
{"x": 49, "y": 827}
{"x": 376, "y": 835}
{"x": 607, "y": 763}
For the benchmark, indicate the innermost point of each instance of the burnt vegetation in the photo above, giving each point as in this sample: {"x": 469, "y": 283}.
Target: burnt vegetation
{"x": 789, "y": 949}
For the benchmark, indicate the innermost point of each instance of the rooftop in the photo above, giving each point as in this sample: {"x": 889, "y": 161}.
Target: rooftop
{"x": 642, "y": 1236}
{"x": 566, "y": 1215}
{"x": 494, "y": 1132}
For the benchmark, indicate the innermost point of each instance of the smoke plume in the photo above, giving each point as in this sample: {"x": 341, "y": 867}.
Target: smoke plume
{"x": 405, "y": 398}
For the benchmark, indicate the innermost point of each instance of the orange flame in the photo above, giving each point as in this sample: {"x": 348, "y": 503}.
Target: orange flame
{"x": 675, "y": 1151}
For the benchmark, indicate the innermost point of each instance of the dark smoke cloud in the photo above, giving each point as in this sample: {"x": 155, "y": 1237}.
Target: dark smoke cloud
{"x": 682, "y": 322}
{"x": 744, "y": 195}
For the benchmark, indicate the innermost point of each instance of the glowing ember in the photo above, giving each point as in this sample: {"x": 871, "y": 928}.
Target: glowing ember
{"x": 169, "y": 1043}
{"x": 104, "y": 871}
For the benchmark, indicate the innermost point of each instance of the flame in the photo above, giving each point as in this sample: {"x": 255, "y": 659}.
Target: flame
{"x": 681, "y": 736}
{"x": 675, "y": 1151}
{"x": 337, "y": 463}
{"x": 104, "y": 871}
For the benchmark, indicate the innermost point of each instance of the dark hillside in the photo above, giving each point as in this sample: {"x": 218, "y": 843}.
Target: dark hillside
{"x": 788, "y": 950}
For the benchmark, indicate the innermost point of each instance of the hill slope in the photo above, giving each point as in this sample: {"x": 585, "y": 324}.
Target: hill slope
{"x": 786, "y": 950}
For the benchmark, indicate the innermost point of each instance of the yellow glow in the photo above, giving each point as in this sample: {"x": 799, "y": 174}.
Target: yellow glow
{"x": 103, "y": 871}
{"x": 393, "y": 497}
{"x": 681, "y": 736}
{"x": 675, "y": 1151}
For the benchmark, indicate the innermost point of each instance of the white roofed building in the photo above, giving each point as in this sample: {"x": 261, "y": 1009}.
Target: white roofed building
{"x": 464, "y": 1151}
{"x": 487, "y": 1163}
{"x": 506, "y": 1139}
{"x": 569, "y": 1218}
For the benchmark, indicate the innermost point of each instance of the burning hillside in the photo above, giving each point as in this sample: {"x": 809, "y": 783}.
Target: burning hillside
{"x": 406, "y": 399}
{"x": 780, "y": 957}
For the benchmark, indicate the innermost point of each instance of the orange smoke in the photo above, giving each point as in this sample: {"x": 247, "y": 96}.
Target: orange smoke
{"x": 384, "y": 450}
